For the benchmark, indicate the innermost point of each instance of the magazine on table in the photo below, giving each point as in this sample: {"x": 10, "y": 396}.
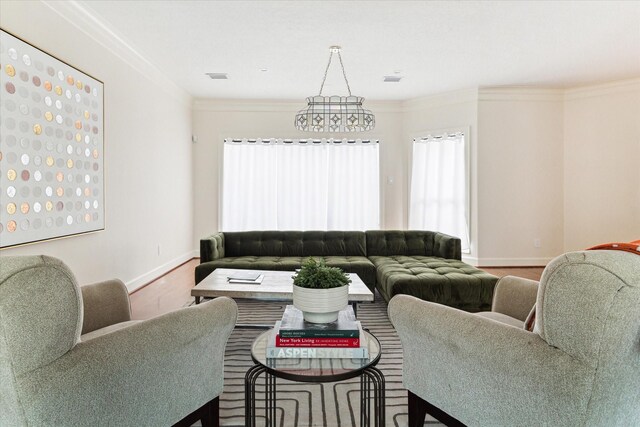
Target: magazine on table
{"x": 246, "y": 277}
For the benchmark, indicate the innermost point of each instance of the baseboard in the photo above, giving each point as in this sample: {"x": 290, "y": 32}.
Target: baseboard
{"x": 512, "y": 262}
{"x": 150, "y": 276}
{"x": 470, "y": 260}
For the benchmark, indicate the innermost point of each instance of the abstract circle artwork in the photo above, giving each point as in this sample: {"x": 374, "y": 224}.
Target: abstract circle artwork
{"x": 51, "y": 146}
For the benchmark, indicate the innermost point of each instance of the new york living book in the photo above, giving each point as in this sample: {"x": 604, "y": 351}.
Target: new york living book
{"x": 294, "y": 326}
{"x": 273, "y": 352}
{"x": 317, "y": 342}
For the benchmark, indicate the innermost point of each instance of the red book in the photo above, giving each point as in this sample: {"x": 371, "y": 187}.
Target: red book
{"x": 317, "y": 342}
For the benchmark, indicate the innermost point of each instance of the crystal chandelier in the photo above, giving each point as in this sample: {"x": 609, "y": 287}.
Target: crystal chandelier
{"x": 335, "y": 113}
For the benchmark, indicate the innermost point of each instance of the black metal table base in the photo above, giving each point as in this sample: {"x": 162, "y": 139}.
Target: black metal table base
{"x": 372, "y": 376}
{"x": 372, "y": 387}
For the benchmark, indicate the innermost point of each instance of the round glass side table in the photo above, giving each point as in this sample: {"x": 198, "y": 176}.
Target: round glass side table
{"x": 315, "y": 370}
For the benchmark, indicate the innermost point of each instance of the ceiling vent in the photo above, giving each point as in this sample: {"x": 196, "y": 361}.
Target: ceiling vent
{"x": 217, "y": 76}
{"x": 392, "y": 79}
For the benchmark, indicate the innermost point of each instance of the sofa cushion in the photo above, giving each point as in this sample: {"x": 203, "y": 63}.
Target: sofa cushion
{"x": 351, "y": 264}
{"x": 361, "y": 266}
{"x": 294, "y": 243}
{"x": 412, "y": 242}
{"x": 445, "y": 281}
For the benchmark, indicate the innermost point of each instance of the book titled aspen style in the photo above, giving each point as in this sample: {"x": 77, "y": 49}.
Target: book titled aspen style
{"x": 317, "y": 353}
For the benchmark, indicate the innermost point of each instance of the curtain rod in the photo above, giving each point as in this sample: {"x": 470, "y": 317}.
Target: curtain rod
{"x": 446, "y": 135}
{"x": 300, "y": 141}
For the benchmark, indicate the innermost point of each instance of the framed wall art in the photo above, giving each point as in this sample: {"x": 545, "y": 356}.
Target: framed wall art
{"x": 51, "y": 146}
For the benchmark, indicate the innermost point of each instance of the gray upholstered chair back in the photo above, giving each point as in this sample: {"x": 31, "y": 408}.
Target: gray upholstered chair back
{"x": 41, "y": 313}
{"x": 121, "y": 372}
{"x": 586, "y": 300}
{"x": 588, "y": 306}
{"x": 580, "y": 366}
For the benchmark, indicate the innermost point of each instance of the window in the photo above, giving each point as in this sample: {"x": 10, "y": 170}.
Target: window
{"x": 276, "y": 184}
{"x": 439, "y": 190}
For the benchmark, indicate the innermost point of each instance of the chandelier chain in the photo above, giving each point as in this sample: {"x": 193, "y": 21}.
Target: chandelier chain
{"x": 344, "y": 74}
{"x": 326, "y": 70}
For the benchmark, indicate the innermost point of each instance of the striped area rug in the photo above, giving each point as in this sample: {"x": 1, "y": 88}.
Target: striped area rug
{"x": 306, "y": 404}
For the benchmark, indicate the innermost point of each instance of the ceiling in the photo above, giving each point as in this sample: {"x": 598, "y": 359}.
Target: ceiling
{"x": 435, "y": 46}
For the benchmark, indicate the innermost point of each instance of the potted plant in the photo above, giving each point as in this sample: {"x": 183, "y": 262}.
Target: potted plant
{"x": 319, "y": 291}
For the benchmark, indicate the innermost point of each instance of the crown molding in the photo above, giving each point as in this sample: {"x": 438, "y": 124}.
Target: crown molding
{"x": 98, "y": 30}
{"x": 517, "y": 93}
{"x": 246, "y": 105}
{"x": 609, "y": 88}
{"x": 277, "y": 106}
{"x": 438, "y": 100}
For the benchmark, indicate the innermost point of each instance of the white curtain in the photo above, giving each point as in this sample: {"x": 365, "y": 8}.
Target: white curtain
{"x": 438, "y": 199}
{"x": 276, "y": 184}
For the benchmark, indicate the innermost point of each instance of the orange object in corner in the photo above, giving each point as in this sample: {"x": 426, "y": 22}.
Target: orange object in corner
{"x": 633, "y": 247}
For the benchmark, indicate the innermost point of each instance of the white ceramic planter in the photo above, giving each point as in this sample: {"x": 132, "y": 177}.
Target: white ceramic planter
{"x": 320, "y": 305}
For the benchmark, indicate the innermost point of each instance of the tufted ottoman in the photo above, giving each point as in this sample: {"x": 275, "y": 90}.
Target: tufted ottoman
{"x": 443, "y": 280}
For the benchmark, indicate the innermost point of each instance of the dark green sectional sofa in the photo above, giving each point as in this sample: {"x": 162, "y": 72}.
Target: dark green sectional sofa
{"x": 424, "y": 264}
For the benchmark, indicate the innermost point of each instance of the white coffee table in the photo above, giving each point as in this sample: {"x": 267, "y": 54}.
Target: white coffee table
{"x": 276, "y": 285}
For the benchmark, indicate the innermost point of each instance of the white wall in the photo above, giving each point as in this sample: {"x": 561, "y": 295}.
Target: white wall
{"x": 520, "y": 176}
{"x": 602, "y": 164}
{"x": 527, "y": 184}
{"x": 214, "y": 120}
{"x": 148, "y": 181}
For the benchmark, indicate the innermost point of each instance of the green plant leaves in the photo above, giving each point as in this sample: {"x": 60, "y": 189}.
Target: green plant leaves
{"x": 316, "y": 274}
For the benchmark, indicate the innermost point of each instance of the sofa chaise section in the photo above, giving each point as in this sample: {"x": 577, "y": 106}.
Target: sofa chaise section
{"x": 285, "y": 251}
{"x": 428, "y": 265}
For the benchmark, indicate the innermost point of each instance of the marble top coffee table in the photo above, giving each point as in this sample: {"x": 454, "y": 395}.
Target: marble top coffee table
{"x": 276, "y": 285}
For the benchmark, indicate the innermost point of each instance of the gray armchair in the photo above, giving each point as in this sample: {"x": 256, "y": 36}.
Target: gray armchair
{"x": 579, "y": 367}
{"x": 72, "y": 358}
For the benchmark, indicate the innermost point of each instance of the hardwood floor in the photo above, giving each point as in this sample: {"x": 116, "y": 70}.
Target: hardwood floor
{"x": 173, "y": 290}
{"x": 166, "y": 293}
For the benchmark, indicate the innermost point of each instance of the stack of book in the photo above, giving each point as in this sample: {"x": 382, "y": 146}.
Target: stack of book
{"x": 245, "y": 277}
{"x": 295, "y": 338}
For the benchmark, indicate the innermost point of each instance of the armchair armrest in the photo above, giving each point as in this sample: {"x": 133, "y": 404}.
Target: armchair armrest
{"x": 446, "y": 246}
{"x": 105, "y": 303}
{"x": 514, "y": 296}
{"x": 452, "y": 357}
{"x": 212, "y": 247}
{"x": 152, "y": 373}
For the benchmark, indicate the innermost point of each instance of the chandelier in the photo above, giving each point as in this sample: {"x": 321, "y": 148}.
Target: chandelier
{"x": 335, "y": 113}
